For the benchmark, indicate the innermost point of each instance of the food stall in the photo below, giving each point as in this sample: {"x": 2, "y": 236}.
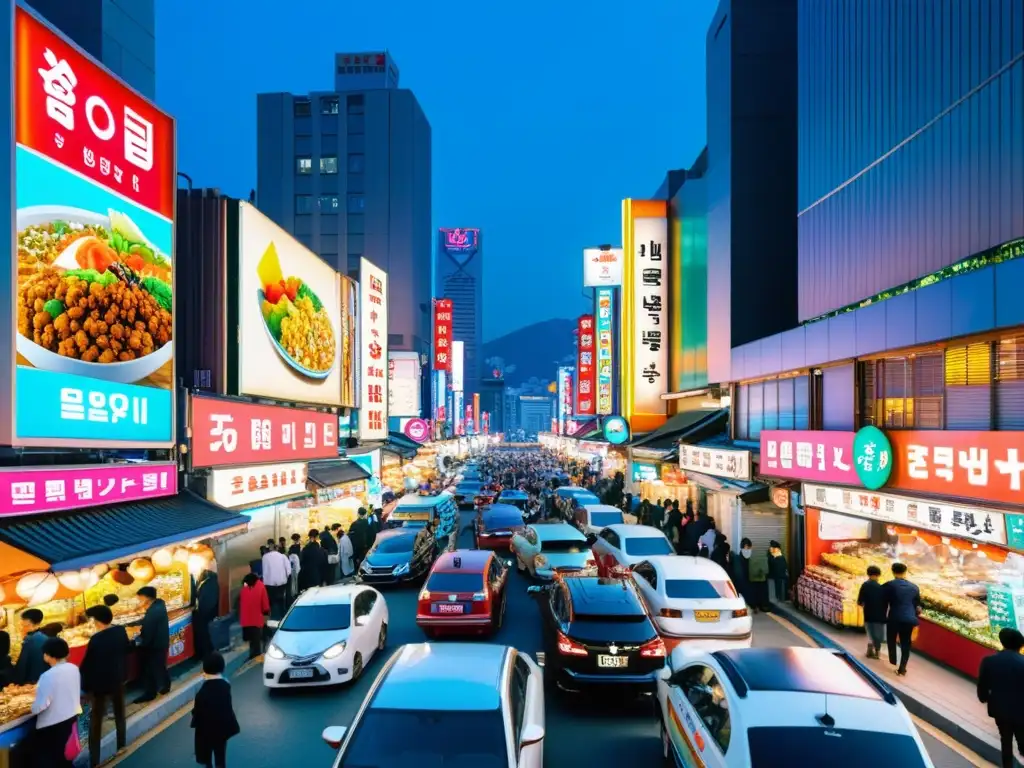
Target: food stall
{"x": 970, "y": 575}
{"x": 339, "y": 489}
{"x": 614, "y": 462}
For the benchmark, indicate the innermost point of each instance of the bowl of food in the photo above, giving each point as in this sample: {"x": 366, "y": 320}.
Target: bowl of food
{"x": 94, "y": 295}
{"x": 295, "y": 319}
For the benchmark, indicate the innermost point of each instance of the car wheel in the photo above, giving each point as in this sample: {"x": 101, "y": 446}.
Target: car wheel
{"x": 382, "y": 638}
{"x": 357, "y": 666}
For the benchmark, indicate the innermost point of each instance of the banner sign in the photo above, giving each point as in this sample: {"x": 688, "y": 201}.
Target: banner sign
{"x": 605, "y": 322}
{"x": 442, "y": 334}
{"x": 585, "y": 403}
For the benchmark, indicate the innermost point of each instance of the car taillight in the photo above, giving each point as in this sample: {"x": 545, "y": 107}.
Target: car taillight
{"x": 568, "y": 647}
{"x": 653, "y": 649}
{"x": 424, "y": 595}
{"x": 479, "y": 597}
{"x": 740, "y": 613}
{"x": 670, "y": 613}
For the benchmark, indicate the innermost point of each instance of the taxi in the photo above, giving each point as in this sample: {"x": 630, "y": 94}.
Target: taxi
{"x": 464, "y": 593}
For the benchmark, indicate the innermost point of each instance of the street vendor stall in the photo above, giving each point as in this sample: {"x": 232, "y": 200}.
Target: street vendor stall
{"x": 339, "y": 489}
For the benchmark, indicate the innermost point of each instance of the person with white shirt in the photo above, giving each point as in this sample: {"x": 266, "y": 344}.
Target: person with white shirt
{"x": 277, "y": 571}
{"x": 346, "y": 554}
{"x": 57, "y": 706}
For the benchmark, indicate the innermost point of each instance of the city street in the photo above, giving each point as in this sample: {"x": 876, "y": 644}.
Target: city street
{"x": 285, "y": 730}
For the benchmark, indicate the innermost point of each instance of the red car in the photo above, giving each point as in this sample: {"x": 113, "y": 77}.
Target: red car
{"x": 496, "y": 526}
{"x": 465, "y": 592}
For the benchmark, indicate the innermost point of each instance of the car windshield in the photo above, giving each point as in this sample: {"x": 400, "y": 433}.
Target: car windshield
{"x": 845, "y": 748}
{"x": 602, "y": 519}
{"x": 451, "y": 739}
{"x": 455, "y": 582}
{"x": 563, "y": 546}
{"x": 318, "y": 618}
{"x": 695, "y": 589}
{"x": 503, "y": 520}
{"x": 648, "y": 545}
{"x": 394, "y": 544}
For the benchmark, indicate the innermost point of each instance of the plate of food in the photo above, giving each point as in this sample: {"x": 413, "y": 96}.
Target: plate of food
{"x": 94, "y": 295}
{"x": 295, "y": 319}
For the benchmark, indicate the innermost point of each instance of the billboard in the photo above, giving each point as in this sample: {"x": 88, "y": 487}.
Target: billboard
{"x": 373, "y": 351}
{"x": 644, "y": 351}
{"x": 565, "y": 393}
{"x": 585, "y": 403}
{"x": 463, "y": 242}
{"x": 289, "y": 316}
{"x": 89, "y": 351}
{"x": 458, "y": 361}
{"x": 403, "y": 384}
{"x": 442, "y": 335}
{"x": 458, "y": 412}
{"x": 349, "y": 296}
{"x": 602, "y": 267}
{"x": 605, "y": 343}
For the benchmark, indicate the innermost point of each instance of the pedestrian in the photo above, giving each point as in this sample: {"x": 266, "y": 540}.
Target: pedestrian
{"x": 359, "y": 532}
{"x": 253, "y": 609}
{"x": 691, "y": 533}
{"x": 103, "y": 674}
{"x": 644, "y": 515}
{"x": 778, "y": 571}
{"x": 741, "y": 572}
{"x": 256, "y": 565}
{"x": 708, "y": 539}
{"x": 871, "y": 598}
{"x": 277, "y": 571}
{"x": 330, "y": 545}
{"x": 1001, "y": 686}
{"x": 207, "y": 607}
{"x": 57, "y": 706}
{"x": 6, "y": 667}
{"x": 213, "y": 715}
{"x": 720, "y": 552}
{"x": 30, "y": 665}
{"x": 153, "y": 641}
{"x": 658, "y": 517}
{"x": 674, "y": 530}
{"x": 313, "y": 561}
{"x": 903, "y": 602}
{"x": 296, "y": 546}
{"x": 345, "y": 552}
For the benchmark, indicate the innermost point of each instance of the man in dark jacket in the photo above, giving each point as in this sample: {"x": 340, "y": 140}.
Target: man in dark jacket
{"x": 207, "y": 606}
{"x": 361, "y": 538}
{"x": 30, "y": 665}
{"x": 330, "y": 545}
{"x": 872, "y": 599}
{"x": 154, "y": 639}
{"x": 903, "y": 602}
{"x": 1001, "y": 686}
{"x": 103, "y": 674}
{"x": 312, "y": 563}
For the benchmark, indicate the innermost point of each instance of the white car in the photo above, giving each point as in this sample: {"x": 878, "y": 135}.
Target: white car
{"x": 464, "y": 705}
{"x": 693, "y": 599}
{"x": 781, "y": 706}
{"x": 328, "y": 636}
{"x": 559, "y": 547}
{"x": 592, "y": 518}
{"x": 626, "y": 545}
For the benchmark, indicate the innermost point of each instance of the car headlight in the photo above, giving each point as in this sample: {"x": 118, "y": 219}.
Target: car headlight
{"x": 365, "y": 566}
{"x": 403, "y": 568}
{"x": 334, "y": 651}
{"x": 274, "y": 652}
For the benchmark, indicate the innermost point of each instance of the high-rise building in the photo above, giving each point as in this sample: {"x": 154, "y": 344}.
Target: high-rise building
{"x": 348, "y": 173}
{"x": 492, "y": 401}
{"x": 535, "y": 413}
{"x": 119, "y": 33}
{"x": 460, "y": 277}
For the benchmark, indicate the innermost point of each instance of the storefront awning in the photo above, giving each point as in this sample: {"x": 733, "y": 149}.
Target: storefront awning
{"x": 749, "y": 493}
{"x": 329, "y": 473}
{"x": 402, "y": 445}
{"x": 584, "y": 428}
{"x": 689, "y": 426}
{"x": 103, "y": 534}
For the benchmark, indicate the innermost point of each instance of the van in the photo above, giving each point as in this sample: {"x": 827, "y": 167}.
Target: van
{"x": 414, "y": 510}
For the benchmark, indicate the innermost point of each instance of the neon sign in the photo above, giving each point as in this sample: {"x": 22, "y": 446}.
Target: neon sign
{"x": 460, "y": 240}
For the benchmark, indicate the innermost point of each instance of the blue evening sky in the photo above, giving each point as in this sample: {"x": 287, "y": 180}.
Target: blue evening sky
{"x": 544, "y": 114}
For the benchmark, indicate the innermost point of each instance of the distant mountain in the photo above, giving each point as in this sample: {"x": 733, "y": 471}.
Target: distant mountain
{"x": 529, "y": 356}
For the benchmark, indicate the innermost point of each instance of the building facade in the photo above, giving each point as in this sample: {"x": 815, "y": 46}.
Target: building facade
{"x": 460, "y": 277}
{"x": 492, "y": 401}
{"x": 119, "y": 33}
{"x": 348, "y": 172}
{"x": 536, "y": 413}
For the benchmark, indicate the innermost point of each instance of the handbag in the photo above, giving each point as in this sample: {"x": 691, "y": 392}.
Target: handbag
{"x": 332, "y": 559}
{"x": 73, "y": 747}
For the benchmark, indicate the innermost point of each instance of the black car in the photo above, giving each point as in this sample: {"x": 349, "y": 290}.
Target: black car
{"x": 466, "y": 492}
{"x": 597, "y": 633}
{"x": 398, "y": 556}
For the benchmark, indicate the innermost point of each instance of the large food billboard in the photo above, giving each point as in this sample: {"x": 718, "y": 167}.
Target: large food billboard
{"x": 289, "y": 315}
{"x": 90, "y": 347}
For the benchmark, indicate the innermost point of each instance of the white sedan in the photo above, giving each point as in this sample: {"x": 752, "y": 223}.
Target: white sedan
{"x": 693, "y": 599}
{"x": 626, "y": 545}
{"x": 328, "y": 636}
{"x": 591, "y": 518}
{"x": 464, "y": 705}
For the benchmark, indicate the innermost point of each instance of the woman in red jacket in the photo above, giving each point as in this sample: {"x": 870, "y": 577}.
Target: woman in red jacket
{"x": 253, "y": 609}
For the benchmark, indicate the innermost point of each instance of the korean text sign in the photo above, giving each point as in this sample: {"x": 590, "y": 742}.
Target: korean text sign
{"x": 38, "y": 491}
{"x": 228, "y": 432}
{"x": 94, "y": 196}
{"x": 602, "y": 267}
{"x": 240, "y": 486}
{"x": 864, "y": 458}
{"x": 442, "y": 334}
{"x": 717, "y": 462}
{"x": 648, "y": 262}
{"x": 373, "y": 349}
{"x": 564, "y": 398}
{"x": 605, "y": 322}
{"x": 586, "y": 405}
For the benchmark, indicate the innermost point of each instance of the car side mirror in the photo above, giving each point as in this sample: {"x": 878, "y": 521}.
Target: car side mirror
{"x": 334, "y": 735}
{"x": 532, "y": 734}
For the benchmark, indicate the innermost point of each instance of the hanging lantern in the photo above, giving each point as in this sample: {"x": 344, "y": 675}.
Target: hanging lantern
{"x": 196, "y": 564}
{"x": 78, "y": 581}
{"x": 37, "y": 588}
{"x": 100, "y": 570}
{"x": 141, "y": 570}
{"x": 181, "y": 555}
{"x": 205, "y": 551}
{"x": 162, "y": 560}
{"x": 121, "y": 575}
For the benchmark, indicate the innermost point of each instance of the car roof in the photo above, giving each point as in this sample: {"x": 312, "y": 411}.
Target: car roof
{"x": 571, "y": 490}
{"x": 608, "y": 597}
{"x": 443, "y": 676}
{"x": 394, "y": 533}
{"x": 513, "y": 493}
{"x": 502, "y": 509}
{"x": 416, "y": 500}
{"x": 601, "y": 508}
{"x": 472, "y": 561}
{"x": 332, "y": 595}
{"x": 557, "y": 531}
{"x": 799, "y": 670}
{"x": 633, "y": 531}
{"x": 688, "y": 567}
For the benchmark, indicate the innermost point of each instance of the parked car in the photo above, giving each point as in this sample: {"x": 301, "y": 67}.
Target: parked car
{"x": 623, "y": 546}
{"x": 515, "y": 497}
{"x": 399, "y": 556}
{"x": 497, "y": 525}
{"x": 592, "y": 518}
{"x": 465, "y": 592}
{"x": 466, "y": 492}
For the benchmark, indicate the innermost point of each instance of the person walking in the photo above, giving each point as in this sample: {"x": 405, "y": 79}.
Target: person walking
{"x": 103, "y": 675}
{"x": 1001, "y": 686}
{"x": 720, "y": 553}
{"x": 57, "y": 705}
{"x": 30, "y": 665}
{"x": 778, "y": 571}
{"x": 153, "y": 641}
{"x": 359, "y": 532}
{"x": 658, "y": 517}
{"x": 871, "y": 598}
{"x": 673, "y": 528}
{"x": 708, "y": 539}
{"x": 253, "y": 609}
{"x": 294, "y": 556}
{"x": 277, "y": 571}
{"x": 207, "y": 607}
{"x": 213, "y": 715}
{"x": 313, "y": 561}
{"x": 741, "y": 572}
{"x": 330, "y": 545}
{"x": 903, "y": 604}
{"x": 345, "y": 555}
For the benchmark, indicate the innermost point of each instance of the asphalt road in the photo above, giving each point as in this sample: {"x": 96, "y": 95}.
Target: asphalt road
{"x": 286, "y": 730}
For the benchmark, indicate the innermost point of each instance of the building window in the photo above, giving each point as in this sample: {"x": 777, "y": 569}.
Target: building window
{"x": 903, "y": 392}
{"x": 356, "y": 162}
{"x": 303, "y": 203}
{"x": 355, "y": 103}
{"x": 356, "y": 125}
{"x": 356, "y": 204}
{"x": 329, "y": 105}
{"x": 353, "y": 263}
{"x": 968, "y": 387}
{"x": 302, "y": 108}
{"x": 329, "y": 164}
{"x": 772, "y": 404}
{"x": 303, "y": 164}
{"x": 1009, "y": 401}
{"x": 329, "y": 203}
{"x": 356, "y": 225}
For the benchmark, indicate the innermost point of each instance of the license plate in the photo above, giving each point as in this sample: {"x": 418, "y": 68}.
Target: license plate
{"x": 707, "y": 616}
{"x": 301, "y": 673}
{"x": 612, "y": 661}
{"x": 449, "y": 607}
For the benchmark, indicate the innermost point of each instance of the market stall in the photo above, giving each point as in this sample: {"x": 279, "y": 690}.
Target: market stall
{"x": 614, "y": 462}
{"x": 339, "y": 489}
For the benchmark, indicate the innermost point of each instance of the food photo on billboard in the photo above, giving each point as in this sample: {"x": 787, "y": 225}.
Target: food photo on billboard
{"x": 92, "y": 280}
{"x": 289, "y": 316}
{"x": 349, "y": 341}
